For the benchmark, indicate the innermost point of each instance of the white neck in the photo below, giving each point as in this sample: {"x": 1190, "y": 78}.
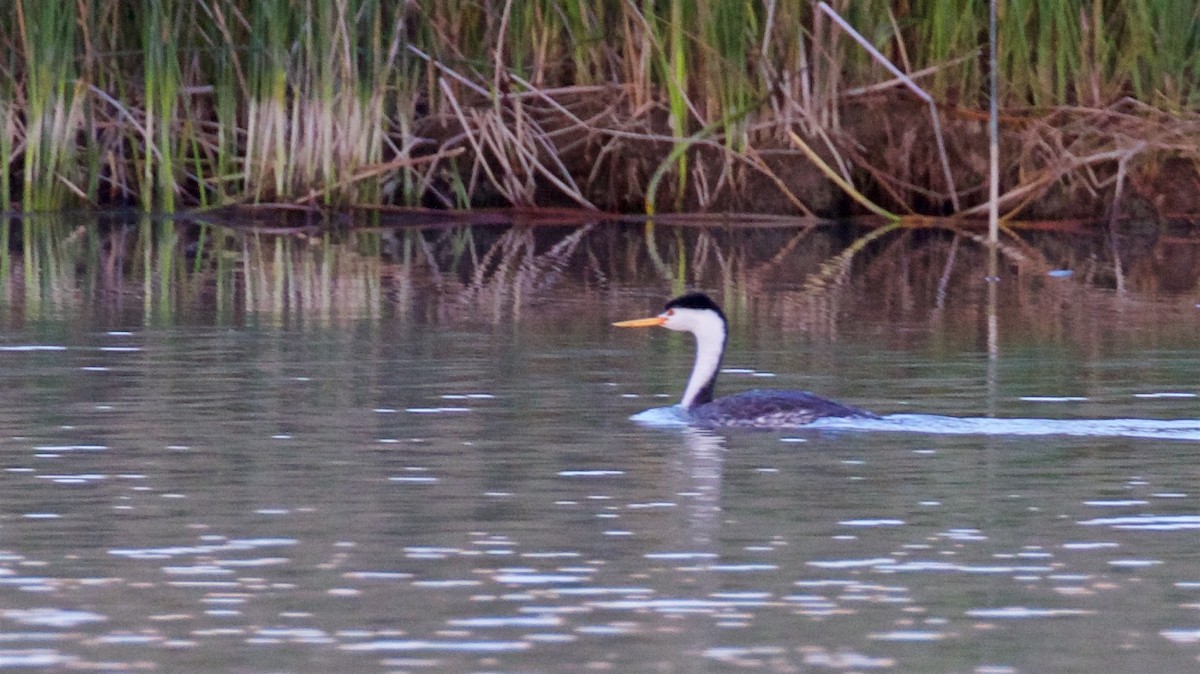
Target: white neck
{"x": 710, "y": 345}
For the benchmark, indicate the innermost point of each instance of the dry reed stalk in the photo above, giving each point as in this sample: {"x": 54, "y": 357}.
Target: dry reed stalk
{"x": 1114, "y": 214}
{"x": 517, "y": 142}
{"x": 842, "y": 183}
{"x": 380, "y": 169}
{"x": 1070, "y": 150}
{"x": 560, "y": 177}
{"x": 934, "y": 116}
{"x": 471, "y": 133}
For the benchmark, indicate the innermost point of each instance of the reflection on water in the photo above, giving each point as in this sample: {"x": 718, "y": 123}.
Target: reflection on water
{"x": 417, "y": 457}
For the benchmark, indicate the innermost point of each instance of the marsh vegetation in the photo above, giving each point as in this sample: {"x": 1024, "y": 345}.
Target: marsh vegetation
{"x": 748, "y": 105}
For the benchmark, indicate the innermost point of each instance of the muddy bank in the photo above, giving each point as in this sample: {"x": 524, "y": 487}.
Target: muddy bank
{"x": 598, "y": 150}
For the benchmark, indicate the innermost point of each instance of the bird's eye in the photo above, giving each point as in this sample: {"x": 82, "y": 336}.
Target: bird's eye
{"x": 670, "y": 312}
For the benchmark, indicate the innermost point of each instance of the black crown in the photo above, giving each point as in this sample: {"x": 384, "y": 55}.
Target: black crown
{"x": 694, "y": 301}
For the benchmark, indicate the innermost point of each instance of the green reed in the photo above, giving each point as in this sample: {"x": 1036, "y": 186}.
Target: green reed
{"x": 8, "y": 134}
{"x": 47, "y": 35}
{"x": 1162, "y": 50}
{"x": 162, "y": 81}
{"x": 6, "y": 224}
{"x": 675, "y": 76}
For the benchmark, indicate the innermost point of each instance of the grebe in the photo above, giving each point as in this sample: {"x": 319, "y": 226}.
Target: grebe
{"x": 699, "y": 315}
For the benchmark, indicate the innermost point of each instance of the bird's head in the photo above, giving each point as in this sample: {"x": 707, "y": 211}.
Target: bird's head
{"x": 695, "y": 313}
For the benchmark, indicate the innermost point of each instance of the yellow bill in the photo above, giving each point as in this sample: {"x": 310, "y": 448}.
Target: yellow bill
{"x": 641, "y": 322}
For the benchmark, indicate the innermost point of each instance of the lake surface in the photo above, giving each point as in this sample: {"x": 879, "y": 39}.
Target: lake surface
{"x": 392, "y": 461}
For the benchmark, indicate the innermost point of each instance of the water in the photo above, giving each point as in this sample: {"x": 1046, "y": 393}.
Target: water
{"x": 675, "y": 416}
{"x": 444, "y": 483}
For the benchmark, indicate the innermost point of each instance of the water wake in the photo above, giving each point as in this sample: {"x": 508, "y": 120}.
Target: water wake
{"x": 1163, "y": 429}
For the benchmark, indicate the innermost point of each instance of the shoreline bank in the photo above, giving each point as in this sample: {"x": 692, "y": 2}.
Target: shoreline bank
{"x": 674, "y": 106}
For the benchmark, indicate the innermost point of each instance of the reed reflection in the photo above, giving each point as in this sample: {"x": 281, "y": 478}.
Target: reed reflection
{"x": 806, "y": 277}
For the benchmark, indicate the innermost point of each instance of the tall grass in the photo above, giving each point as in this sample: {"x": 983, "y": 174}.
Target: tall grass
{"x": 181, "y": 103}
{"x": 162, "y": 82}
{"x": 50, "y": 99}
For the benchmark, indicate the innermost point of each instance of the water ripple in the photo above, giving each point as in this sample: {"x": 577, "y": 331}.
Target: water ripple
{"x": 418, "y": 645}
{"x": 1147, "y": 522}
{"x": 1014, "y": 612}
{"x": 52, "y": 617}
{"x": 932, "y": 424}
{"x": 227, "y": 546}
{"x": 1164, "y": 429}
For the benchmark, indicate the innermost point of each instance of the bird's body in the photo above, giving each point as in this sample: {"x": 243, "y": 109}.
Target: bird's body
{"x": 766, "y": 408}
{"x": 760, "y": 408}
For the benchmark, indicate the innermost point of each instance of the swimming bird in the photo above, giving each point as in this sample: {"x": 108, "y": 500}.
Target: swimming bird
{"x": 760, "y": 408}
